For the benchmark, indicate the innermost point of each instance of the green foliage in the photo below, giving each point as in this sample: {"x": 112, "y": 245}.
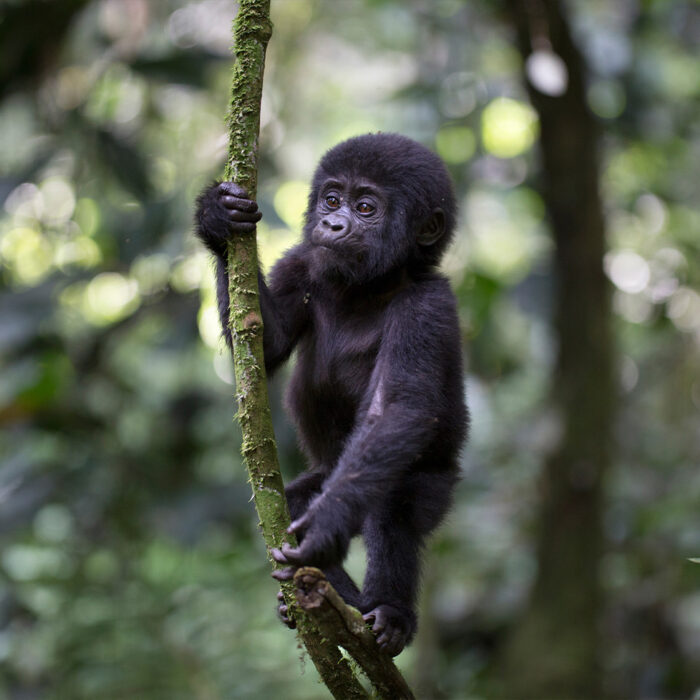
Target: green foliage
{"x": 129, "y": 562}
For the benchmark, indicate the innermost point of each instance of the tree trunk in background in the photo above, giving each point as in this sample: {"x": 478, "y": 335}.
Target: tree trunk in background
{"x": 555, "y": 650}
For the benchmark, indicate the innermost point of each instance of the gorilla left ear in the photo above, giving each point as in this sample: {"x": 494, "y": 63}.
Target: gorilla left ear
{"x": 433, "y": 228}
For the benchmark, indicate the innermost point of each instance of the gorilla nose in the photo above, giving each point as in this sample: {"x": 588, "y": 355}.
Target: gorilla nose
{"x": 335, "y": 225}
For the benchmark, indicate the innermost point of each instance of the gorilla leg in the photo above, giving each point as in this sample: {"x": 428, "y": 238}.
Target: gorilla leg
{"x": 394, "y": 535}
{"x": 346, "y": 587}
{"x": 391, "y": 582}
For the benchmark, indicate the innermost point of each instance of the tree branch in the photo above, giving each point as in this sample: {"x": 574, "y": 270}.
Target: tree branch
{"x": 345, "y": 627}
{"x": 251, "y": 32}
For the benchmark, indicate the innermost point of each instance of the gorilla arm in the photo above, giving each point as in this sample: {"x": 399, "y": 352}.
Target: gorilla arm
{"x": 223, "y": 211}
{"x": 402, "y": 416}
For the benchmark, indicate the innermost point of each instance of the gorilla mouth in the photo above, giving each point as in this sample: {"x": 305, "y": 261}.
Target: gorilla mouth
{"x": 339, "y": 247}
{"x": 339, "y": 243}
{"x": 345, "y": 254}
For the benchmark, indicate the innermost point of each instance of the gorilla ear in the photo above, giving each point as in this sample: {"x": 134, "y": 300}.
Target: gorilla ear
{"x": 432, "y": 229}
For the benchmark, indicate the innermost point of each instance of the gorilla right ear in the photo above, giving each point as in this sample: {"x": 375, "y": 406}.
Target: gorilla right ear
{"x": 432, "y": 229}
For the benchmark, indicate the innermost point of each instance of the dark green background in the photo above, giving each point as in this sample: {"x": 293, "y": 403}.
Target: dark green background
{"x": 131, "y": 565}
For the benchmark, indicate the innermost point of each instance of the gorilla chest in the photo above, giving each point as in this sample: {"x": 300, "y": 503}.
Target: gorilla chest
{"x": 344, "y": 353}
{"x": 336, "y": 360}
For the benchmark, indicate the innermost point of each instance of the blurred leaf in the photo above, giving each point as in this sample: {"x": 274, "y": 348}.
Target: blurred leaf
{"x": 190, "y": 67}
{"x": 28, "y": 45}
{"x": 126, "y": 162}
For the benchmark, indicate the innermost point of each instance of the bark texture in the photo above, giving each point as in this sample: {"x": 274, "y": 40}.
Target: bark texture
{"x": 555, "y": 651}
{"x": 251, "y": 33}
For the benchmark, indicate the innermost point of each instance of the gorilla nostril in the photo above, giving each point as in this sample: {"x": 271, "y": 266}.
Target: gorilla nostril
{"x": 333, "y": 225}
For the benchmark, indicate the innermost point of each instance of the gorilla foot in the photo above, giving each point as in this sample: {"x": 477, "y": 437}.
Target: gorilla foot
{"x": 392, "y": 628}
{"x": 283, "y": 612}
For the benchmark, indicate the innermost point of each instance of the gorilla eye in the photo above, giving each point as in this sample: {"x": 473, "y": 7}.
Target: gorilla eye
{"x": 365, "y": 208}
{"x": 332, "y": 202}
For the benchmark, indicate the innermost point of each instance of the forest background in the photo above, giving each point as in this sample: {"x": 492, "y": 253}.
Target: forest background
{"x": 130, "y": 559}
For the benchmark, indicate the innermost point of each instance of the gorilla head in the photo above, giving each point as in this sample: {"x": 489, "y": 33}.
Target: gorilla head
{"x": 378, "y": 203}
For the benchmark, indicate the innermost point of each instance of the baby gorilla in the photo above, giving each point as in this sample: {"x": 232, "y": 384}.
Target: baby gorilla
{"x": 377, "y": 390}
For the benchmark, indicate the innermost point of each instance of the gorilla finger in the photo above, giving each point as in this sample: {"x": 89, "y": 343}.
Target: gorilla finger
{"x": 278, "y": 555}
{"x": 379, "y": 624}
{"x": 292, "y": 555}
{"x": 250, "y": 216}
{"x": 284, "y": 574}
{"x": 233, "y": 188}
{"x": 390, "y": 640}
{"x": 239, "y": 204}
{"x": 299, "y": 525}
{"x": 283, "y": 614}
{"x": 384, "y": 639}
{"x": 290, "y": 622}
{"x": 395, "y": 644}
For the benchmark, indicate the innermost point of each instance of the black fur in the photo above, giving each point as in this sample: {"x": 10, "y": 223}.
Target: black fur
{"x": 376, "y": 393}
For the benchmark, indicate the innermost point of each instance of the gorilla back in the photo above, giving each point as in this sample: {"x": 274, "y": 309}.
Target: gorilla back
{"x": 377, "y": 390}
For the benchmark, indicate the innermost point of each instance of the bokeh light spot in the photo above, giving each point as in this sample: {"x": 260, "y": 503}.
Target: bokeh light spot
{"x": 290, "y": 203}
{"x": 508, "y": 127}
{"x": 455, "y": 144}
{"x": 27, "y": 254}
{"x": 628, "y": 271}
{"x": 607, "y": 98}
{"x": 110, "y": 297}
{"x": 59, "y": 201}
{"x": 209, "y": 325}
{"x": 547, "y": 73}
